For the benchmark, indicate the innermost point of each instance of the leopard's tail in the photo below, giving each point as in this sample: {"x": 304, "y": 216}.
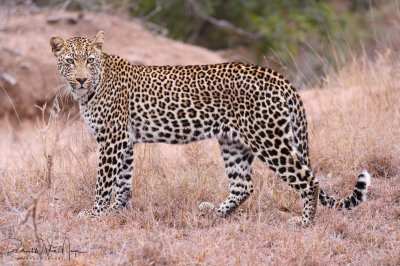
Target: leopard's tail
{"x": 299, "y": 129}
{"x": 351, "y": 201}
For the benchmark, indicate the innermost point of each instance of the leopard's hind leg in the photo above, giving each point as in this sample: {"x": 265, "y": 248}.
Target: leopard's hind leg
{"x": 281, "y": 156}
{"x": 238, "y": 161}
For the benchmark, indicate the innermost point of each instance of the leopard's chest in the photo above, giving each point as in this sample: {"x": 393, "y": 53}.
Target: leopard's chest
{"x": 96, "y": 120}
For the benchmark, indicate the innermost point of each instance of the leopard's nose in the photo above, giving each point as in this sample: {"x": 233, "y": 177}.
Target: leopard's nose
{"x": 81, "y": 80}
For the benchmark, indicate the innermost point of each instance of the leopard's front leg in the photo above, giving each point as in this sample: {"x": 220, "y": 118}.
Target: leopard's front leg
{"x": 113, "y": 150}
{"x": 122, "y": 184}
{"x": 106, "y": 171}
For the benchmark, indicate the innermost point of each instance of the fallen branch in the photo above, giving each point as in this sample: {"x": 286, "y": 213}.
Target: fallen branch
{"x": 69, "y": 18}
{"x": 9, "y": 79}
{"x": 11, "y": 51}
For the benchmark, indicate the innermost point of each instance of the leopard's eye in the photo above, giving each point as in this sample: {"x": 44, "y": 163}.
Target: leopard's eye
{"x": 90, "y": 60}
{"x": 70, "y": 60}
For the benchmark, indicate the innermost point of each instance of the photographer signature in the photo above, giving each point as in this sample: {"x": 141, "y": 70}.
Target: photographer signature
{"x": 48, "y": 248}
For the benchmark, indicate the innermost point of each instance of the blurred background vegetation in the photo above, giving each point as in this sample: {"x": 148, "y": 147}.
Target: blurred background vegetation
{"x": 307, "y": 36}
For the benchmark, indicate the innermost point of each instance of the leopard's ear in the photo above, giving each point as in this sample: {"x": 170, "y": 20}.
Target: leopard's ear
{"x": 98, "y": 41}
{"x": 57, "y": 44}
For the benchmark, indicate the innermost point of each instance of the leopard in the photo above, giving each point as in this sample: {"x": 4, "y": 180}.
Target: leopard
{"x": 252, "y": 111}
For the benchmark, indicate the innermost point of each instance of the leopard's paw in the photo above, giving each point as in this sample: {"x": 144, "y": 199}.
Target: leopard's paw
{"x": 88, "y": 213}
{"x": 115, "y": 208}
{"x": 206, "y": 207}
{"x": 295, "y": 222}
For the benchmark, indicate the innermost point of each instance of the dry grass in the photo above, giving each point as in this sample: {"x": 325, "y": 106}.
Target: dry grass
{"x": 354, "y": 124}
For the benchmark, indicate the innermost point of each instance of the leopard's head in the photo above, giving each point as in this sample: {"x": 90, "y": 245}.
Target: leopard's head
{"x": 79, "y": 62}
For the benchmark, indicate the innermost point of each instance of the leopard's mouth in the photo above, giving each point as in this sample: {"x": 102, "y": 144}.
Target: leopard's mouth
{"x": 78, "y": 88}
